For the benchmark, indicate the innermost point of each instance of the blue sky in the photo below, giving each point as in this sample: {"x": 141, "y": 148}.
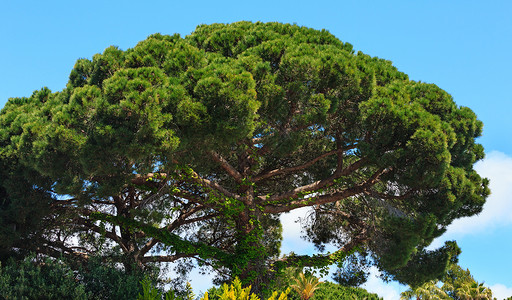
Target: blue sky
{"x": 462, "y": 46}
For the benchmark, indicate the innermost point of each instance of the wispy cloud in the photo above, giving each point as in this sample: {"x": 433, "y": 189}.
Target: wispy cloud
{"x": 292, "y": 231}
{"x": 388, "y": 291}
{"x": 200, "y": 282}
{"x": 497, "y": 211}
{"x": 499, "y": 291}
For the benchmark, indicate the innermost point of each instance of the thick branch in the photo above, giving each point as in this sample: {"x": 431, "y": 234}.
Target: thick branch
{"x": 213, "y": 185}
{"x": 327, "y": 259}
{"x": 150, "y": 244}
{"x": 182, "y": 220}
{"x": 323, "y": 199}
{"x": 300, "y": 167}
{"x": 165, "y": 258}
{"x": 147, "y": 179}
{"x": 227, "y": 166}
{"x": 175, "y": 243}
{"x": 317, "y": 184}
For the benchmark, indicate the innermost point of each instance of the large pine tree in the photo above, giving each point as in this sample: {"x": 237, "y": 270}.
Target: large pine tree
{"x": 192, "y": 147}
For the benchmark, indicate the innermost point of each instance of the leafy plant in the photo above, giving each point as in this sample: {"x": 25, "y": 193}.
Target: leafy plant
{"x": 149, "y": 292}
{"x": 108, "y": 280}
{"x": 428, "y": 290}
{"x": 306, "y": 285}
{"x": 333, "y": 291}
{"x": 235, "y": 291}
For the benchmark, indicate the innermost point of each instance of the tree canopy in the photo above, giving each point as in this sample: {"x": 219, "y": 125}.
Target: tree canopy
{"x": 191, "y": 148}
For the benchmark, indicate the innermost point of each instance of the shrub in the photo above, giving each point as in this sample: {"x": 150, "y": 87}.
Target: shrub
{"x": 33, "y": 278}
{"x": 46, "y": 278}
{"x": 332, "y": 291}
{"x": 235, "y": 291}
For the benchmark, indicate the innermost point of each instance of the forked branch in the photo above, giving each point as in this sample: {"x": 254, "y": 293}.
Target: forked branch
{"x": 317, "y": 184}
{"x": 294, "y": 169}
{"x": 323, "y": 199}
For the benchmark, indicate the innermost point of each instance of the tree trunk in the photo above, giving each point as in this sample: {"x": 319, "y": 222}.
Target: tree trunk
{"x": 250, "y": 251}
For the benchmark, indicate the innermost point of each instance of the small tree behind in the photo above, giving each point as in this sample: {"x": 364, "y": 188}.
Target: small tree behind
{"x": 457, "y": 283}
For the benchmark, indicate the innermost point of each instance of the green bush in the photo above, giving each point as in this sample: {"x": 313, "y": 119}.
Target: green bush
{"x": 34, "y": 278}
{"x": 39, "y": 279}
{"x": 235, "y": 291}
{"x": 329, "y": 290}
{"x": 152, "y": 293}
{"x": 45, "y": 278}
{"x": 108, "y": 281}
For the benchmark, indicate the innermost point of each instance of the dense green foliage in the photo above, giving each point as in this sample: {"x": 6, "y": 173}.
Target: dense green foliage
{"x": 45, "y": 278}
{"x": 108, "y": 281}
{"x": 150, "y": 292}
{"x": 331, "y": 291}
{"x": 191, "y": 148}
{"x": 29, "y": 279}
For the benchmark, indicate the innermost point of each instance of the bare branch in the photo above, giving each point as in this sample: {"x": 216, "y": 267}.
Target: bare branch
{"x": 51, "y": 246}
{"x": 340, "y": 155}
{"x": 308, "y": 261}
{"x": 63, "y": 202}
{"x": 190, "y": 197}
{"x": 102, "y": 202}
{"x": 88, "y": 224}
{"x": 185, "y": 221}
{"x": 387, "y": 196}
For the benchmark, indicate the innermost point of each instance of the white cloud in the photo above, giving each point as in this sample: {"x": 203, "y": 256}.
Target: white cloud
{"x": 497, "y": 210}
{"x": 292, "y": 240}
{"x": 291, "y": 226}
{"x": 200, "y": 282}
{"x": 388, "y": 291}
{"x": 499, "y": 291}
